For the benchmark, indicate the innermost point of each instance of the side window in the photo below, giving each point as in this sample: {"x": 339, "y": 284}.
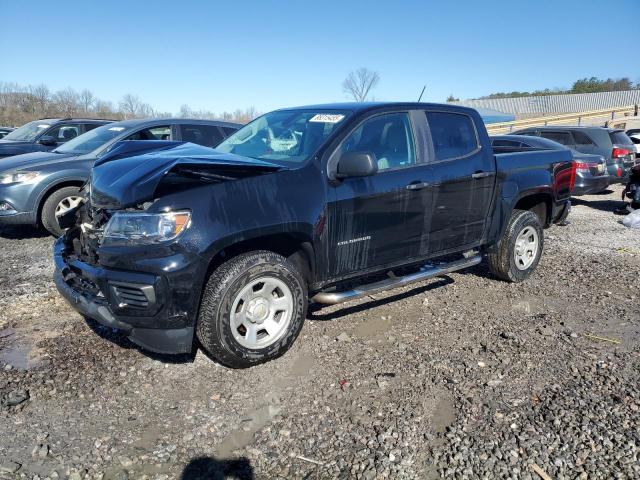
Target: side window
{"x": 153, "y": 133}
{"x": 453, "y": 134}
{"x": 207, "y": 135}
{"x": 388, "y": 137}
{"x": 507, "y": 143}
{"x": 90, "y": 126}
{"x": 561, "y": 137}
{"x": 64, "y": 133}
{"x": 582, "y": 139}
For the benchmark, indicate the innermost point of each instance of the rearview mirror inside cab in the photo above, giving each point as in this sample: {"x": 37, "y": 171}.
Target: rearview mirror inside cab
{"x": 357, "y": 164}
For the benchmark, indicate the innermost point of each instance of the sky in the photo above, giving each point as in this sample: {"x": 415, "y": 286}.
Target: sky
{"x": 221, "y": 56}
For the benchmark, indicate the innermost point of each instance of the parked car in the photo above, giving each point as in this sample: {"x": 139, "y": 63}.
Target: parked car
{"x": 635, "y": 138}
{"x": 300, "y": 203}
{"x": 46, "y": 134}
{"x": 612, "y": 144}
{"x": 36, "y": 188}
{"x": 591, "y": 170}
{"x": 5, "y": 130}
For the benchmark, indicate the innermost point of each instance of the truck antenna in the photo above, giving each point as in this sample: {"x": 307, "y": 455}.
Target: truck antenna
{"x": 421, "y": 93}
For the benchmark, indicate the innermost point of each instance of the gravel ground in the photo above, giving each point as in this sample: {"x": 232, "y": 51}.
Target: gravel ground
{"x": 463, "y": 376}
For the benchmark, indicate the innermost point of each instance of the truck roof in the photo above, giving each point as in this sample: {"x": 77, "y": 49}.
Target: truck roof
{"x": 358, "y": 107}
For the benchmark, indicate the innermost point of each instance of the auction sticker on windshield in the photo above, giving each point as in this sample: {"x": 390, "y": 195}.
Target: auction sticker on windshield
{"x": 326, "y": 118}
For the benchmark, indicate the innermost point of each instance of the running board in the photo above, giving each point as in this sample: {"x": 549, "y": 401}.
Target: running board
{"x": 425, "y": 272}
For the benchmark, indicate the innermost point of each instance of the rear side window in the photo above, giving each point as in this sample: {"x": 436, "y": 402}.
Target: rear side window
{"x": 228, "y": 130}
{"x": 561, "y": 137}
{"x": 619, "y": 138}
{"x": 453, "y": 134}
{"x": 207, "y": 135}
{"x": 582, "y": 139}
{"x": 90, "y": 126}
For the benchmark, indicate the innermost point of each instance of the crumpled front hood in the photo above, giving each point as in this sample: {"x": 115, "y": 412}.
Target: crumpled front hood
{"x": 126, "y": 181}
{"x": 31, "y": 161}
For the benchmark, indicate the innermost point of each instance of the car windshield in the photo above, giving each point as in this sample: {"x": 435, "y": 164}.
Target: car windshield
{"x": 90, "y": 141}
{"x": 28, "y": 132}
{"x": 284, "y": 136}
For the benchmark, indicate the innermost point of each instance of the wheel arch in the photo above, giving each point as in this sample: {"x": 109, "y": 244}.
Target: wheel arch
{"x": 539, "y": 203}
{"x": 295, "y": 246}
{"x": 51, "y": 188}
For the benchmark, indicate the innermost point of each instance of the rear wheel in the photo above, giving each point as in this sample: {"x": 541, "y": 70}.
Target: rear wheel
{"x": 520, "y": 247}
{"x": 252, "y": 309}
{"x": 58, "y": 203}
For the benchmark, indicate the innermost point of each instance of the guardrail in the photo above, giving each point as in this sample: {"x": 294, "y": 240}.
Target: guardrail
{"x": 569, "y": 118}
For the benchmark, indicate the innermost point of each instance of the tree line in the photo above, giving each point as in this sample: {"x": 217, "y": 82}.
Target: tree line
{"x": 583, "y": 85}
{"x": 20, "y": 104}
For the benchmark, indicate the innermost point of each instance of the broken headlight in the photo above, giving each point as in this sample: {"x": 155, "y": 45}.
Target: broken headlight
{"x": 138, "y": 228}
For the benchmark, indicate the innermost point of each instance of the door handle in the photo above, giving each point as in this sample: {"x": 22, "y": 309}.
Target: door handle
{"x": 417, "y": 185}
{"x": 480, "y": 175}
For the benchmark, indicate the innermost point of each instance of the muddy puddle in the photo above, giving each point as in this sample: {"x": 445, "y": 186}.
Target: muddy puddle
{"x": 16, "y": 351}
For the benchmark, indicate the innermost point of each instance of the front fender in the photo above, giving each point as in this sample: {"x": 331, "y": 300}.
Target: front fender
{"x": 50, "y": 182}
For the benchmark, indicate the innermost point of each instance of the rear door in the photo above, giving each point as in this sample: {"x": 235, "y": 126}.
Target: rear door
{"x": 377, "y": 221}
{"x": 462, "y": 179}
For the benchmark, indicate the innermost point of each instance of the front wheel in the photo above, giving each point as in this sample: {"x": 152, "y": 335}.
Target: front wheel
{"x": 518, "y": 252}
{"x": 58, "y": 203}
{"x": 252, "y": 309}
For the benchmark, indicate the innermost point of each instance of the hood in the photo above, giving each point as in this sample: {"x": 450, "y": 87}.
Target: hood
{"x": 5, "y": 142}
{"x": 32, "y": 160}
{"x": 119, "y": 181}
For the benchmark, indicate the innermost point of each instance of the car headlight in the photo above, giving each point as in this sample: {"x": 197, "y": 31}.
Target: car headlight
{"x": 139, "y": 228}
{"x": 17, "y": 177}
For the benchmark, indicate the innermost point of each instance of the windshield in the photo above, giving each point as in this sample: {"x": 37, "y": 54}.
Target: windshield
{"x": 28, "y": 132}
{"x": 284, "y": 136}
{"x": 90, "y": 141}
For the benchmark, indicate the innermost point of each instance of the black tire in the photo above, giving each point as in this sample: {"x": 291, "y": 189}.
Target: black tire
{"x": 502, "y": 261}
{"x": 48, "y": 213}
{"x": 214, "y": 330}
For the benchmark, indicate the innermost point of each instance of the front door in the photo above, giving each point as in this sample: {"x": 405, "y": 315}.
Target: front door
{"x": 463, "y": 177}
{"x": 377, "y": 221}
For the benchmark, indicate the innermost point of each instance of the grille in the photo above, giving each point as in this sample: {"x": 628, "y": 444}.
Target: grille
{"x": 129, "y": 295}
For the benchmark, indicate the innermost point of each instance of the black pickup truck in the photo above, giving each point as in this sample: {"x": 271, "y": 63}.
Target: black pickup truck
{"x": 314, "y": 203}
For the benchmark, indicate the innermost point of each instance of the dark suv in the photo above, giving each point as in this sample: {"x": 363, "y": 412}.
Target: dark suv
{"x": 46, "y": 134}
{"x": 612, "y": 144}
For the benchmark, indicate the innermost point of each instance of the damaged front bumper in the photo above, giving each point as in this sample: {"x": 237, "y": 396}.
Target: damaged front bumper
{"x": 138, "y": 304}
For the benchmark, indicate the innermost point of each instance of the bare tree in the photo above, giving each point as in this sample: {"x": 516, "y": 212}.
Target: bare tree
{"x": 41, "y": 99}
{"x": 358, "y": 84}
{"x": 87, "y": 101}
{"x": 130, "y": 105}
{"x": 67, "y": 101}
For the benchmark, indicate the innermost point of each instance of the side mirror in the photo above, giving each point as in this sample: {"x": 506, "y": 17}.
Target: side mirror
{"x": 357, "y": 164}
{"x": 47, "y": 141}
